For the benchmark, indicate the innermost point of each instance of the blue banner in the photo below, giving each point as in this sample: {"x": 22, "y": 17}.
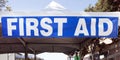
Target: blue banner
{"x": 59, "y": 26}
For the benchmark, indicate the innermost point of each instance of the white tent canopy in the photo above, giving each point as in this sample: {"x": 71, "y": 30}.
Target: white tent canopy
{"x": 39, "y": 45}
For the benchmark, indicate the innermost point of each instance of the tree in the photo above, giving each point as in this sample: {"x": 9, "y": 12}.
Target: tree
{"x": 104, "y": 6}
{"x": 2, "y": 4}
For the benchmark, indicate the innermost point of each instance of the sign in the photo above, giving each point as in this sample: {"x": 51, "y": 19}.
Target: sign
{"x": 59, "y": 26}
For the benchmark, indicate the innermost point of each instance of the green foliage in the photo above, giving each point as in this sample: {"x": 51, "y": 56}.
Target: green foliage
{"x": 104, "y": 6}
{"x": 77, "y": 57}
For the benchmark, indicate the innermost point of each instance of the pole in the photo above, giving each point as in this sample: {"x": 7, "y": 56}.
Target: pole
{"x": 92, "y": 51}
{"x": 25, "y": 47}
{"x": 8, "y": 56}
{"x": 35, "y": 56}
{"x": 26, "y": 53}
{"x": 69, "y": 57}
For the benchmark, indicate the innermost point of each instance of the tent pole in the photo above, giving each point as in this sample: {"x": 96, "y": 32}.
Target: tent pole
{"x": 25, "y": 46}
{"x": 35, "y": 56}
{"x": 26, "y": 53}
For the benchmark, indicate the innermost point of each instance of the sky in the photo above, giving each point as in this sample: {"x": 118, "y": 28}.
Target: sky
{"x": 38, "y": 5}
